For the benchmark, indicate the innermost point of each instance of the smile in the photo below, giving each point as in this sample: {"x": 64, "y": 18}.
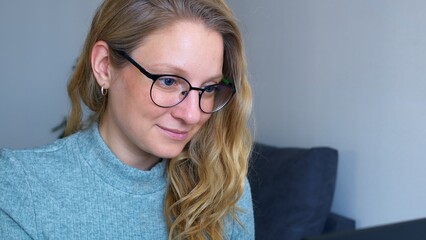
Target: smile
{"x": 174, "y": 134}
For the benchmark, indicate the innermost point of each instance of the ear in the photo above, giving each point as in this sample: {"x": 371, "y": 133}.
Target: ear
{"x": 99, "y": 60}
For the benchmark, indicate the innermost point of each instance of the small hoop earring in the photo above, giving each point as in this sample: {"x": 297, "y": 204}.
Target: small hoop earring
{"x": 104, "y": 91}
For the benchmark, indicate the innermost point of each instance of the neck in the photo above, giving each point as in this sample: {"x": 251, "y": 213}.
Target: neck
{"x": 124, "y": 150}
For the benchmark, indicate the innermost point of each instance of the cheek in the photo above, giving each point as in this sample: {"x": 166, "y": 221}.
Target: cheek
{"x": 130, "y": 96}
{"x": 200, "y": 125}
{"x": 135, "y": 89}
{"x": 203, "y": 120}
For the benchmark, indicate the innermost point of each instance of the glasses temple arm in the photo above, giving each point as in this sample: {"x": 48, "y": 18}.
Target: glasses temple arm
{"x": 134, "y": 63}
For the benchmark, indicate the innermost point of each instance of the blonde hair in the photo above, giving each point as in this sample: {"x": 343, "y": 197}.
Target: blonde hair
{"x": 206, "y": 180}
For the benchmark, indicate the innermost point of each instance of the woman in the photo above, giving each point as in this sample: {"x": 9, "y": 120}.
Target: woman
{"x": 164, "y": 153}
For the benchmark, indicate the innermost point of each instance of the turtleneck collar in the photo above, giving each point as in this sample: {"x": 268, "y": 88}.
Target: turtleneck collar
{"x": 114, "y": 172}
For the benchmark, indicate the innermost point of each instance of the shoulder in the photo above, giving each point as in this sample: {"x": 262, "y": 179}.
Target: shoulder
{"x": 32, "y": 157}
{"x": 12, "y": 160}
{"x": 18, "y": 169}
{"x": 245, "y": 201}
{"x": 15, "y": 199}
{"x": 246, "y": 205}
{"x": 243, "y": 228}
{"x": 18, "y": 165}
{"x": 22, "y": 173}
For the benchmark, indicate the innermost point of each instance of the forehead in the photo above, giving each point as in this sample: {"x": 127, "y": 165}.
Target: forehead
{"x": 185, "y": 45}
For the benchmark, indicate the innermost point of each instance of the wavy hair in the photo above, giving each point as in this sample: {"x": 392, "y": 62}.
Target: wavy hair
{"x": 206, "y": 180}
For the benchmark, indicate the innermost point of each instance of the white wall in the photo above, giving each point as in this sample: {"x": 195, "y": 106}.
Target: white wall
{"x": 39, "y": 43}
{"x": 348, "y": 74}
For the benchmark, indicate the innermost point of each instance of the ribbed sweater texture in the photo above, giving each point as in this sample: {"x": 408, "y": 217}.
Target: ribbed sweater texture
{"x": 76, "y": 188}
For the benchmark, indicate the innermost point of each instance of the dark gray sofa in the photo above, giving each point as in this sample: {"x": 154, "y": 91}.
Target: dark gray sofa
{"x": 292, "y": 190}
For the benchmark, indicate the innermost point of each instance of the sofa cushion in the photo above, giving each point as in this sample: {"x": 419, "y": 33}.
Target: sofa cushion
{"x": 292, "y": 190}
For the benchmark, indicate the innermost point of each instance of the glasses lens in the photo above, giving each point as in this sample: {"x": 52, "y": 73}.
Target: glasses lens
{"x": 168, "y": 91}
{"x": 215, "y": 97}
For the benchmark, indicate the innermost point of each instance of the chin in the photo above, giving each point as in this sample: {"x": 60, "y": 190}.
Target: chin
{"x": 169, "y": 151}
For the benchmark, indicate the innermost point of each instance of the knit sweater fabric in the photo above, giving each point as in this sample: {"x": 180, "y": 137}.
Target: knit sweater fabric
{"x": 76, "y": 188}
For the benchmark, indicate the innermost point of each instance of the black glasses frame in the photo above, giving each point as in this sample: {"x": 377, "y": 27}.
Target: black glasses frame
{"x": 155, "y": 77}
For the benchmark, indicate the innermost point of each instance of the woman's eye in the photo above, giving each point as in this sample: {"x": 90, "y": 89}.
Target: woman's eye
{"x": 210, "y": 89}
{"x": 167, "y": 81}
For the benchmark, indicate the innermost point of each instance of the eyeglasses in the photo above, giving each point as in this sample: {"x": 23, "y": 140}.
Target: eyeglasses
{"x": 170, "y": 90}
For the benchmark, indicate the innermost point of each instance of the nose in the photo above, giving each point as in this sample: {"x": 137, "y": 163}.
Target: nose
{"x": 188, "y": 110}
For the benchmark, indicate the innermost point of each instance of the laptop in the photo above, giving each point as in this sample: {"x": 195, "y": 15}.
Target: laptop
{"x": 408, "y": 230}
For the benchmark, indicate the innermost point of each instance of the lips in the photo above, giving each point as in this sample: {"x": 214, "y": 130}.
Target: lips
{"x": 174, "y": 134}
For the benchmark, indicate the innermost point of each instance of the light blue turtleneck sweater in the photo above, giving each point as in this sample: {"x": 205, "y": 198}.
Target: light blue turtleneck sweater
{"x": 75, "y": 188}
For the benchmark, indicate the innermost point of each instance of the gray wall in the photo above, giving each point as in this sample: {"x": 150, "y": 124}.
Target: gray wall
{"x": 40, "y": 41}
{"x": 348, "y": 74}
